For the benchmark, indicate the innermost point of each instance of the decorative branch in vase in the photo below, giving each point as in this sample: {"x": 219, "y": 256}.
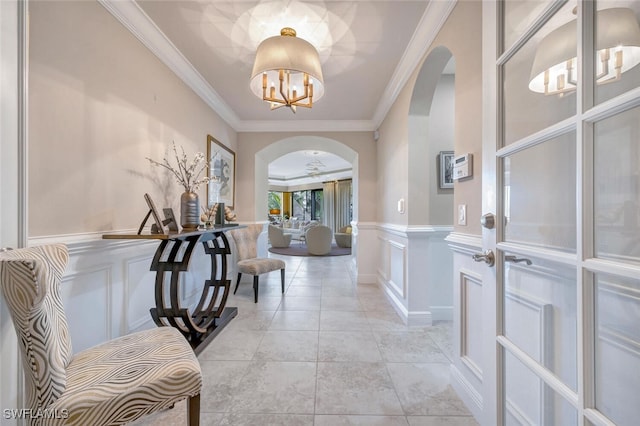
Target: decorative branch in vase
{"x": 189, "y": 174}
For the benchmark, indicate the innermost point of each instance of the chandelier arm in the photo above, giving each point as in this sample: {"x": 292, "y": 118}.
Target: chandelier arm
{"x": 309, "y": 105}
{"x": 560, "y": 92}
{"x": 275, "y": 105}
{"x": 276, "y": 101}
{"x": 304, "y": 96}
{"x": 284, "y": 95}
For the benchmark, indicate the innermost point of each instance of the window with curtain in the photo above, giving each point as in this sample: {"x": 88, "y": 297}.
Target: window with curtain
{"x": 338, "y": 205}
{"x": 308, "y": 205}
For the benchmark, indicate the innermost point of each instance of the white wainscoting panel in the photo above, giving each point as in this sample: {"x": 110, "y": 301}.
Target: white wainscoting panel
{"x": 88, "y": 306}
{"x": 364, "y": 248}
{"x": 471, "y": 322}
{"x": 397, "y": 269}
{"x": 468, "y": 363}
{"x": 414, "y": 269}
{"x": 384, "y": 256}
{"x": 140, "y": 290}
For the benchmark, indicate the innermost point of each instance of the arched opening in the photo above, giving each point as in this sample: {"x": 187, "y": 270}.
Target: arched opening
{"x": 310, "y": 185}
{"x": 303, "y": 143}
{"x": 431, "y": 131}
{"x": 431, "y": 138}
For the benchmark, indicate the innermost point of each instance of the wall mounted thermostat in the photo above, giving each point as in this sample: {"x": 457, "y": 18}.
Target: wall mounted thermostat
{"x": 463, "y": 166}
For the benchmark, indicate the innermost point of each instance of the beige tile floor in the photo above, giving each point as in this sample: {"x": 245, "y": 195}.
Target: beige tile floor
{"x": 326, "y": 353}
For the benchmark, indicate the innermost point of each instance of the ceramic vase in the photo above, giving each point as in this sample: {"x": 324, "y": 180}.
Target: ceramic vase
{"x": 189, "y": 211}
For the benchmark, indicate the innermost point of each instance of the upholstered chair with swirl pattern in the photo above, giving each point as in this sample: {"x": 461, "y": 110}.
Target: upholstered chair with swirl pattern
{"x": 246, "y": 242}
{"x": 110, "y": 384}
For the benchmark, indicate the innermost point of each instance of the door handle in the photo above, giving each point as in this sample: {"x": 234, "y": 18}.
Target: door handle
{"x": 514, "y": 259}
{"x": 486, "y": 257}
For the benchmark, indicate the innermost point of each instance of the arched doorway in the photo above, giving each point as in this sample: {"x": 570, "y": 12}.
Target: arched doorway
{"x": 431, "y": 137}
{"x": 431, "y": 131}
{"x": 298, "y": 143}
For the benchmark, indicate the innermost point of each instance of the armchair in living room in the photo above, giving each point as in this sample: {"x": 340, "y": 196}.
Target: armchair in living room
{"x": 343, "y": 237}
{"x": 319, "y": 240}
{"x": 278, "y": 238}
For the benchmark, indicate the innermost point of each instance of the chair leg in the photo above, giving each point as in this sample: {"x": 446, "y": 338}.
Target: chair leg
{"x": 193, "y": 403}
{"x": 255, "y": 288}
{"x": 237, "y": 282}
{"x": 282, "y": 279}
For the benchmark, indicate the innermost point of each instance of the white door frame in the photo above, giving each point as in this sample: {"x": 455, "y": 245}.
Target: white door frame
{"x": 13, "y": 179}
{"x": 491, "y": 403}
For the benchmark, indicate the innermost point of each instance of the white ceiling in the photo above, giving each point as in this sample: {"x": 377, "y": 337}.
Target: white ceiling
{"x": 305, "y": 167}
{"x": 367, "y": 49}
{"x": 360, "y": 44}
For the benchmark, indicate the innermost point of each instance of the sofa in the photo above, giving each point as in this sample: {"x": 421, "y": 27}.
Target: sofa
{"x": 298, "y": 229}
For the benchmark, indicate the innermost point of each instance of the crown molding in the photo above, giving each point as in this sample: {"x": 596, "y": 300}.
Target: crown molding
{"x": 134, "y": 19}
{"x": 433, "y": 18}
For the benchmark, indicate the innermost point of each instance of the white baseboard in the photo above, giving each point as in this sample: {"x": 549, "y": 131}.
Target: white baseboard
{"x": 420, "y": 319}
{"x": 441, "y": 313}
{"x": 467, "y": 393}
{"x": 412, "y": 319}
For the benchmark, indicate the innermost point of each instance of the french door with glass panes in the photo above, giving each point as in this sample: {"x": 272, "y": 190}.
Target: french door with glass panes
{"x": 561, "y": 172}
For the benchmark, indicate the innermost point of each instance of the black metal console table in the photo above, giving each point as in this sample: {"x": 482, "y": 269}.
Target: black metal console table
{"x": 172, "y": 257}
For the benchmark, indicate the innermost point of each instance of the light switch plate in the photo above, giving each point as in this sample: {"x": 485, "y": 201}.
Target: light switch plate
{"x": 462, "y": 214}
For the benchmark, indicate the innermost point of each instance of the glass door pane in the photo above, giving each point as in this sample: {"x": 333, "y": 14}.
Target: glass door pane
{"x": 617, "y": 348}
{"x": 539, "y": 80}
{"x": 528, "y": 400}
{"x": 540, "y": 313}
{"x": 617, "y": 49}
{"x": 518, "y": 15}
{"x": 617, "y": 187}
{"x": 539, "y": 194}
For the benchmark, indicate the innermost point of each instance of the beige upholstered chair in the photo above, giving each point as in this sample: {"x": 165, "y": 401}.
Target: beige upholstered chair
{"x": 278, "y": 238}
{"x": 343, "y": 237}
{"x": 246, "y": 241}
{"x": 110, "y": 384}
{"x": 319, "y": 240}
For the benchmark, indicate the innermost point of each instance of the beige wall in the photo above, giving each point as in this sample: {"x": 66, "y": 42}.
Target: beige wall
{"x": 100, "y": 103}
{"x": 393, "y": 161}
{"x": 249, "y": 144}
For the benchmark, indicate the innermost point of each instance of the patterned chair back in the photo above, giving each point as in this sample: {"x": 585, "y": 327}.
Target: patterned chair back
{"x": 246, "y": 240}
{"x": 30, "y": 280}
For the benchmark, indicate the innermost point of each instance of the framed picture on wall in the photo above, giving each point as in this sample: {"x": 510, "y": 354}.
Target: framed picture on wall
{"x": 223, "y": 165}
{"x": 445, "y": 173}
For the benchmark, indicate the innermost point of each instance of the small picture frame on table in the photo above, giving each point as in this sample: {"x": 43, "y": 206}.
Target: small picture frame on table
{"x": 157, "y": 227}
